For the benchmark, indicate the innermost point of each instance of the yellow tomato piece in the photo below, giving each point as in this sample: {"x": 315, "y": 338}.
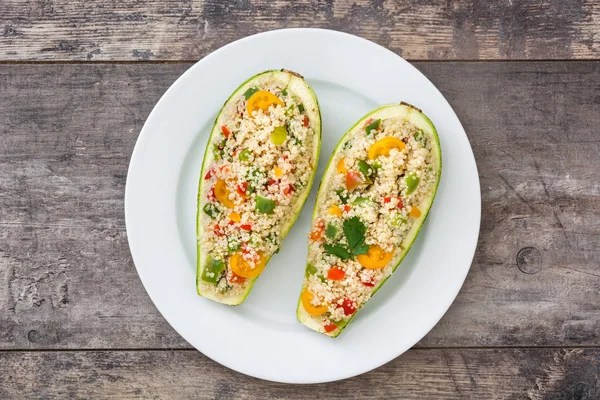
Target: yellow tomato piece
{"x": 335, "y": 210}
{"x": 415, "y": 212}
{"x": 383, "y": 146}
{"x": 235, "y": 217}
{"x": 376, "y": 258}
{"x": 341, "y": 167}
{"x": 262, "y": 100}
{"x": 222, "y": 193}
{"x": 307, "y": 298}
{"x": 278, "y": 172}
{"x": 242, "y": 268}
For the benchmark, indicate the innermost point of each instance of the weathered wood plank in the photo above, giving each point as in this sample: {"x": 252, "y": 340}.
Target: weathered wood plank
{"x": 190, "y": 29}
{"x": 66, "y": 277}
{"x": 436, "y": 374}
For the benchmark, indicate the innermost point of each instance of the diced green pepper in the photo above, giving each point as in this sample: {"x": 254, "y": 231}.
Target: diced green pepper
{"x": 301, "y": 107}
{"x": 412, "y": 181}
{"x": 248, "y": 93}
{"x": 245, "y": 155}
{"x": 420, "y": 137}
{"x": 330, "y": 231}
{"x": 264, "y": 205}
{"x": 398, "y": 220}
{"x": 233, "y": 246}
{"x": 289, "y": 111}
{"x": 361, "y": 200}
{"x": 211, "y": 210}
{"x": 376, "y": 164}
{"x": 212, "y": 270}
{"x": 279, "y": 135}
{"x": 373, "y": 125}
{"x": 310, "y": 270}
{"x": 365, "y": 169}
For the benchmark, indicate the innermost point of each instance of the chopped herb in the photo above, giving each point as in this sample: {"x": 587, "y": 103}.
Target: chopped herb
{"x": 361, "y": 200}
{"x": 343, "y": 195}
{"x": 301, "y": 107}
{"x": 211, "y": 210}
{"x": 355, "y": 231}
{"x": 284, "y": 92}
{"x": 248, "y": 93}
{"x": 233, "y": 246}
{"x": 290, "y": 111}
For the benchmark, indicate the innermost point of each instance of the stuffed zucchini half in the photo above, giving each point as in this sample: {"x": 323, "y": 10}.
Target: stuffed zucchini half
{"x": 258, "y": 168}
{"x": 375, "y": 195}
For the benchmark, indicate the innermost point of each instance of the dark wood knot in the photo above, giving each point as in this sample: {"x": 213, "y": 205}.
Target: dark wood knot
{"x": 529, "y": 260}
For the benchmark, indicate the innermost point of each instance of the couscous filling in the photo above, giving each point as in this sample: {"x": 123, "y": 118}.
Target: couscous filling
{"x": 261, "y": 162}
{"x": 384, "y": 172}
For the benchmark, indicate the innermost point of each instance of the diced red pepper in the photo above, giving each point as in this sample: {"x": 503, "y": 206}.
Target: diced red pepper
{"x": 305, "y": 121}
{"x": 336, "y": 274}
{"x": 388, "y": 199}
{"x": 271, "y": 182}
{"x": 330, "y": 327}
{"x": 370, "y": 283}
{"x": 217, "y": 230}
{"x": 246, "y": 227}
{"x": 346, "y": 208}
{"x": 288, "y": 190}
{"x": 241, "y": 188}
{"x": 209, "y": 174}
{"x": 225, "y": 131}
{"x": 349, "y": 307}
{"x": 211, "y": 194}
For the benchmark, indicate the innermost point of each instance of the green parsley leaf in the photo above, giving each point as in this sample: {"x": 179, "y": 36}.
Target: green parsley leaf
{"x": 355, "y": 232}
{"x": 337, "y": 250}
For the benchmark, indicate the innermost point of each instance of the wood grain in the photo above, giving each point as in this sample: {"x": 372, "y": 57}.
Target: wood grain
{"x": 534, "y": 374}
{"x": 130, "y": 30}
{"x": 66, "y": 276}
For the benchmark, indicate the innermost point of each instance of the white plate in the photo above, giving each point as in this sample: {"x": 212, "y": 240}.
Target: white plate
{"x": 262, "y": 338}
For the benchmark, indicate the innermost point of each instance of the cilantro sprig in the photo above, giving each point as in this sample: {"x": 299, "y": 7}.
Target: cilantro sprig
{"x": 355, "y": 231}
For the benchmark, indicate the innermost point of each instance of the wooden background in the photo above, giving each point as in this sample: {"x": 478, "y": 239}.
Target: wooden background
{"x": 77, "y": 80}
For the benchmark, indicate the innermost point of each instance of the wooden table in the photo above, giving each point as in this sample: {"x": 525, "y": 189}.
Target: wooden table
{"x": 77, "y": 80}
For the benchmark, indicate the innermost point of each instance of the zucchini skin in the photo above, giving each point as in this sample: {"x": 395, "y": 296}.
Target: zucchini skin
{"x": 422, "y": 122}
{"x": 314, "y": 117}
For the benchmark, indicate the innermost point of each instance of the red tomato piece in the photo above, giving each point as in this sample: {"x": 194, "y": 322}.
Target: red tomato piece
{"x": 233, "y": 278}
{"x": 336, "y": 274}
{"x": 217, "y": 230}
{"x": 209, "y": 174}
{"x": 353, "y": 179}
{"x": 305, "y": 121}
{"x": 225, "y": 131}
{"x": 347, "y": 208}
{"x": 349, "y": 307}
{"x": 330, "y": 327}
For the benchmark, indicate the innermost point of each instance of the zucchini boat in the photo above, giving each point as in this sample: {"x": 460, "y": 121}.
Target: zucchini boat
{"x": 374, "y": 197}
{"x": 258, "y": 168}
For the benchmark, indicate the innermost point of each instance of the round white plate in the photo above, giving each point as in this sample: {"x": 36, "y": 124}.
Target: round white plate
{"x": 262, "y": 338}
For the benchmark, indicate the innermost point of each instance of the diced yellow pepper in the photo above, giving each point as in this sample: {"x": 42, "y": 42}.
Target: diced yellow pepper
{"x": 335, "y": 210}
